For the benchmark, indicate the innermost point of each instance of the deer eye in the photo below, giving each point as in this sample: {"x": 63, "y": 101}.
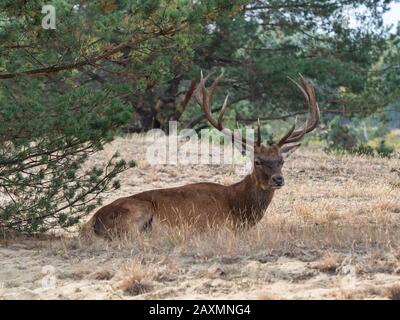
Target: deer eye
{"x": 257, "y": 162}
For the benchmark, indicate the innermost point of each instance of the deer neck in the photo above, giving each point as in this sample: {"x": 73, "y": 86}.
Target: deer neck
{"x": 249, "y": 200}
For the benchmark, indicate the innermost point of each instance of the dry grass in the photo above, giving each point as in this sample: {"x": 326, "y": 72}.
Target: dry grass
{"x": 393, "y": 292}
{"x": 335, "y": 214}
{"x": 102, "y": 275}
{"x": 135, "y": 278}
{"x": 328, "y": 263}
{"x": 268, "y": 296}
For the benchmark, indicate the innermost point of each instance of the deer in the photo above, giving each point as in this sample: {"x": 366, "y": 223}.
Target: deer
{"x": 239, "y": 205}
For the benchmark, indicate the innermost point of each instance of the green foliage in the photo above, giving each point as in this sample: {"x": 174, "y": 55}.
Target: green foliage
{"x": 363, "y": 149}
{"x": 384, "y": 150}
{"x": 342, "y": 138}
{"x": 45, "y": 140}
{"x": 64, "y": 93}
{"x": 339, "y": 137}
{"x": 271, "y": 40}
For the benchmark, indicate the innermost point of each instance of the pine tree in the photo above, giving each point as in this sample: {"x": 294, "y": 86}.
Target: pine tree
{"x": 65, "y": 92}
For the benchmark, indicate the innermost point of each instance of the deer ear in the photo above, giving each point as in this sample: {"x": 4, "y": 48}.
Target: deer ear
{"x": 287, "y": 150}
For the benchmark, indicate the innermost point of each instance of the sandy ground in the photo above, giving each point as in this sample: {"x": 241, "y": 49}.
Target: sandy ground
{"x": 331, "y": 233}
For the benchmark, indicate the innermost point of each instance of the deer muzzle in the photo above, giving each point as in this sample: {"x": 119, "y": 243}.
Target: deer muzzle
{"x": 277, "y": 181}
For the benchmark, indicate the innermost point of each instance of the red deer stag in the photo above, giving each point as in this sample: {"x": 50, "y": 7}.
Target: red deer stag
{"x": 205, "y": 204}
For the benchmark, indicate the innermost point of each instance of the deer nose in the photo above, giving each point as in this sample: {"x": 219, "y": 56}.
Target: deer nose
{"x": 278, "y": 180}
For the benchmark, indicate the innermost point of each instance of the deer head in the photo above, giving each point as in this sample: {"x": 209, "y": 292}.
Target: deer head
{"x": 268, "y": 159}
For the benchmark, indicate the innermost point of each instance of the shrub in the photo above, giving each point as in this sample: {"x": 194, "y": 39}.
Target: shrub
{"x": 352, "y": 138}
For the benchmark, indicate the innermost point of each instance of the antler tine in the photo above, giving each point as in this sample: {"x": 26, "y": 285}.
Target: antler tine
{"x": 215, "y": 84}
{"x": 222, "y": 112}
{"x": 313, "y": 118}
{"x": 258, "y": 133}
{"x": 204, "y": 96}
{"x": 288, "y": 134}
{"x": 299, "y": 134}
{"x": 210, "y": 91}
{"x": 302, "y": 88}
{"x": 207, "y": 76}
{"x": 203, "y": 99}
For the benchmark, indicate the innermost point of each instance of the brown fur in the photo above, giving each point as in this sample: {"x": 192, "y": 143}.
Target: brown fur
{"x": 199, "y": 205}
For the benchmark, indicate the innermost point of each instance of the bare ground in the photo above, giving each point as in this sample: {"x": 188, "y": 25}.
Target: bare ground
{"x": 331, "y": 233}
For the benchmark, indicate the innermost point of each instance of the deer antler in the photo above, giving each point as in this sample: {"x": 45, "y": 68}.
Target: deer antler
{"x": 313, "y": 117}
{"x": 204, "y": 96}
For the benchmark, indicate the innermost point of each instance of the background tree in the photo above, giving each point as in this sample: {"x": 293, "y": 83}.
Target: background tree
{"x": 337, "y": 44}
{"x": 65, "y": 92}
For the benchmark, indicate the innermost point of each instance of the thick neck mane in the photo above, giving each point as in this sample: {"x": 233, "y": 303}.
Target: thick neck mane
{"x": 250, "y": 201}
